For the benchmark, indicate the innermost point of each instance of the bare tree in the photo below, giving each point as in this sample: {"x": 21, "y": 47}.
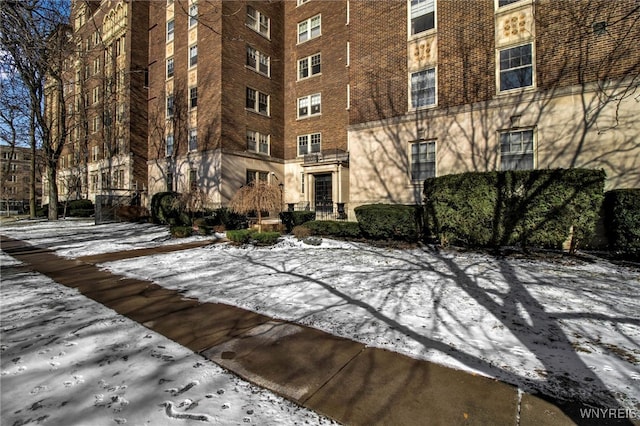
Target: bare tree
{"x": 259, "y": 196}
{"x": 35, "y": 36}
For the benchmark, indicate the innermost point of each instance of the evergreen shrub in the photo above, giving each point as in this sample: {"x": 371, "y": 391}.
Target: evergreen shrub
{"x": 181, "y": 231}
{"x": 390, "y": 221}
{"x": 622, "y": 220}
{"x": 334, "y": 228}
{"x": 292, "y": 219}
{"x": 164, "y": 210}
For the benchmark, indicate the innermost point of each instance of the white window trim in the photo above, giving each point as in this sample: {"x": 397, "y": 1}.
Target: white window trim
{"x": 193, "y": 17}
{"x": 189, "y": 56}
{"x": 258, "y": 56}
{"x": 301, "y": 2}
{"x": 170, "y": 36}
{"x": 309, "y": 61}
{"x": 435, "y": 159}
{"x": 515, "y": 4}
{"x": 167, "y": 68}
{"x": 435, "y": 102}
{"x": 193, "y": 131}
{"x": 256, "y": 108}
{"x": 308, "y": 22}
{"x": 308, "y": 136}
{"x": 533, "y": 149}
{"x": 309, "y": 113}
{"x": 426, "y": 32}
{"x": 256, "y": 27}
{"x": 257, "y": 137}
{"x": 533, "y": 70}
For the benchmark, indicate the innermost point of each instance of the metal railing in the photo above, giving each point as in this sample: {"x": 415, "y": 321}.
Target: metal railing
{"x": 324, "y": 211}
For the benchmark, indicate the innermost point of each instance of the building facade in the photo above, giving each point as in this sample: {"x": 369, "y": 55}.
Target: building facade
{"x": 15, "y": 178}
{"x": 105, "y": 99}
{"x": 350, "y": 102}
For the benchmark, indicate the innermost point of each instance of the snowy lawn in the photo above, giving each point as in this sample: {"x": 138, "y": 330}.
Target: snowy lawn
{"x": 565, "y": 327}
{"x": 67, "y": 360}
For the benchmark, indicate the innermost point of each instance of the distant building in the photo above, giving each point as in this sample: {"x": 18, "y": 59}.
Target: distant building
{"x": 15, "y": 166}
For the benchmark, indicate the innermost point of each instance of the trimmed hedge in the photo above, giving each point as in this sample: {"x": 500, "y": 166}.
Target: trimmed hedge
{"x": 163, "y": 208}
{"x": 334, "y": 228}
{"x": 246, "y": 236}
{"x": 265, "y": 238}
{"x": 622, "y": 220}
{"x": 241, "y": 236}
{"x": 166, "y": 210}
{"x": 390, "y": 221}
{"x": 292, "y": 219}
{"x": 530, "y": 207}
{"x": 181, "y": 231}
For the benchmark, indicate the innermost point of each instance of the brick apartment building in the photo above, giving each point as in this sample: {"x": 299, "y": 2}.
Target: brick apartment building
{"x": 348, "y": 102}
{"x": 105, "y": 96}
{"x": 15, "y": 178}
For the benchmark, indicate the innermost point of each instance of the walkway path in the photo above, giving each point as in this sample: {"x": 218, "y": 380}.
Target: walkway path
{"x": 342, "y": 379}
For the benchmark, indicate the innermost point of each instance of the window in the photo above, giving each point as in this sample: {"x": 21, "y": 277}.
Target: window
{"x": 506, "y": 2}
{"x": 423, "y": 88}
{"x": 170, "y": 67}
{"x": 257, "y": 21}
{"x": 253, "y": 175}
{"x": 193, "y": 55}
{"x": 309, "y": 29}
{"x": 309, "y": 66}
{"x": 96, "y": 66}
{"x": 302, "y": 182}
{"x": 258, "y": 142}
{"x": 516, "y": 150}
{"x": 170, "y": 106}
{"x": 94, "y": 182}
{"x": 516, "y": 67}
{"x": 422, "y": 16}
{"x": 308, "y": 144}
{"x": 193, "y": 14}
{"x": 423, "y": 160}
{"x": 169, "y": 145}
{"x": 258, "y": 61}
{"x": 257, "y": 101}
{"x": 309, "y": 106}
{"x": 193, "y": 180}
{"x": 95, "y": 152}
{"x": 301, "y": 2}
{"x": 193, "y": 139}
{"x": 170, "y": 30}
{"x": 193, "y": 97}
{"x": 96, "y": 95}
{"x": 95, "y": 126}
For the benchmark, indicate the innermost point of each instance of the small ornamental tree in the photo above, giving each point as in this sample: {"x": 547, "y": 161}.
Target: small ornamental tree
{"x": 258, "y": 196}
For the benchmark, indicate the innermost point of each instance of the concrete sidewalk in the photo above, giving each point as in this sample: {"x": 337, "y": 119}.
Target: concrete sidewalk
{"x": 336, "y": 377}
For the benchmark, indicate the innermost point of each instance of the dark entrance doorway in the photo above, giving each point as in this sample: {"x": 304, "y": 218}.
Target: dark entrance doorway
{"x": 323, "y": 191}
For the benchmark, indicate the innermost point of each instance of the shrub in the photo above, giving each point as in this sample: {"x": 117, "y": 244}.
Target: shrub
{"x": 334, "y": 228}
{"x": 622, "y": 220}
{"x": 301, "y": 232}
{"x": 292, "y": 219}
{"x": 132, "y": 213}
{"x": 81, "y": 212}
{"x": 229, "y": 219}
{"x": 164, "y": 208}
{"x": 530, "y": 208}
{"x": 390, "y": 221}
{"x": 265, "y": 238}
{"x": 240, "y": 236}
{"x": 80, "y": 205}
{"x": 180, "y": 231}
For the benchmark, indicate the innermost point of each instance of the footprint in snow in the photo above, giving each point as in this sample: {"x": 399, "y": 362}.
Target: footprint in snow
{"x": 172, "y": 413}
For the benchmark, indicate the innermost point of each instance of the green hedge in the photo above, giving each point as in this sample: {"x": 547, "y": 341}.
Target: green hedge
{"x": 532, "y": 207}
{"x": 246, "y": 236}
{"x": 265, "y": 238}
{"x": 390, "y": 221}
{"x": 295, "y": 218}
{"x": 334, "y": 228}
{"x": 622, "y": 220}
{"x": 163, "y": 209}
{"x": 181, "y": 231}
{"x": 241, "y": 236}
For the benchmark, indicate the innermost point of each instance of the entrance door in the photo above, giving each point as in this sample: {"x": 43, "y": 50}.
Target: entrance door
{"x": 323, "y": 191}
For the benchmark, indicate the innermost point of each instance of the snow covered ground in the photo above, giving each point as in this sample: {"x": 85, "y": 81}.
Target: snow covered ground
{"x": 562, "y": 326}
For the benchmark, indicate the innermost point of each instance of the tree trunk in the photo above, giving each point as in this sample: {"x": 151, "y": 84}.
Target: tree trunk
{"x": 53, "y": 192}
{"x": 32, "y": 169}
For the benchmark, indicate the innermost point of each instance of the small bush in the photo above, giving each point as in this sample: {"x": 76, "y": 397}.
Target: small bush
{"x": 240, "y": 236}
{"x": 229, "y": 219}
{"x": 265, "y": 238}
{"x": 390, "y": 221}
{"x": 622, "y": 220}
{"x": 292, "y": 219}
{"x": 334, "y": 228}
{"x": 181, "y": 231}
{"x": 80, "y": 205}
{"x": 202, "y": 229}
{"x": 164, "y": 210}
{"x": 301, "y": 232}
{"x": 81, "y": 212}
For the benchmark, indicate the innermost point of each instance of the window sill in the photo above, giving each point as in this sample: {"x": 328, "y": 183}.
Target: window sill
{"x": 422, "y": 34}
{"x": 257, "y": 112}
{"x": 310, "y": 77}
{"x": 308, "y": 40}
{"x": 308, "y": 117}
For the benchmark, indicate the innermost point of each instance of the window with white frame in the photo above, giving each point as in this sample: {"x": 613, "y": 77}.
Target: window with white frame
{"x": 502, "y": 3}
{"x": 170, "y": 30}
{"x": 169, "y": 145}
{"x": 169, "y": 182}
{"x": 193, "y": 97}
{"x": 423, "y": 160}
{"x": 309, "y": 66}
{"x": 257, "y": 21}
{"x": 423, "y": 88}
{"x": 308, "y": 144}
{"x": 95, "y": 125}
{"x": 193, "y": 14}
{"x": 95, "y": 153}
{"x": 258, "y": 61}
{"x": 309, "y": 105}
{"x": 516, "y": 150}
{"x": 94, "y": 182}
{"x": 311, "y": 28}
{"x": 257, "y": 101}
{"x": 423, "y": 14}
{"x": 96, "y": 95}
{"x": 193, "y": 55}
{"x": 96, "y": 66}
{"x": 170, "y": 106}
{"x": 193, "y": 139}
{"x": 258, "y": 142}
{"x": 193, "y": 180}
{"x": 170, "y": 67}
{"x": 516, "y": 67}
{"x": 301, "y": 2}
